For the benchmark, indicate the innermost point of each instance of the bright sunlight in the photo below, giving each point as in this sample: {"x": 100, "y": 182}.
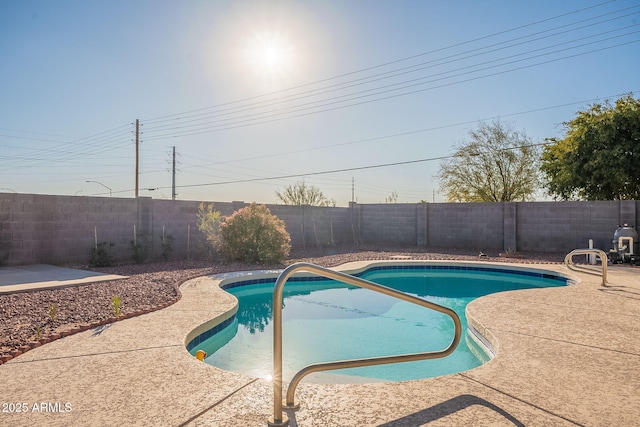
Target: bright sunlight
{"x": 271, "y": 55}
{"x": 268, "y": 46}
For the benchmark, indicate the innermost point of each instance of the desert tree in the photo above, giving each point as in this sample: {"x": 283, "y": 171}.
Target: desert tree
{"x": 302, "y": 194}
{"x": 393, "y": 198}
{"x": 496, "y": 164}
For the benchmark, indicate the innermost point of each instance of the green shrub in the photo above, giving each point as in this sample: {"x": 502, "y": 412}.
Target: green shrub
{"x": 209, "y": 221}
{"x": 116, "y": 302}
{"x": 37, "y": 332}
{"x": 254, "y": 235}
{"x": 53, "y": 311}
{"x": 100, "y": 256}
{"x": 166, "y": 240}
{"x": 138, "y": 252}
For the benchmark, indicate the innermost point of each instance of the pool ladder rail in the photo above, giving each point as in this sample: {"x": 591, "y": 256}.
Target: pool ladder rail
{"x": 568, "y": 262}
{"x": 279, "y": 418}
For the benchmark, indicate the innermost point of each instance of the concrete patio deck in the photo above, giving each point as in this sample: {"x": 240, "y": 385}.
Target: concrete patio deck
{"x": 565, "y": 356}
{"x": 25, "y": 278}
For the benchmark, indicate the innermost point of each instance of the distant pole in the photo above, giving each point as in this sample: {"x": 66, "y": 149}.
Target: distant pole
{"x": 137, "y": 156}
{"x": 353, "y": 189}
{"x": 173, "y": 180}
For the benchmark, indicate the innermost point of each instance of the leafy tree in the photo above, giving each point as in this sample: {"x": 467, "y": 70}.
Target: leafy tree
{"x": 599, "y": 158}
{"x": 393, "y": 198}
{"x": 498, "y": 164}
{"x": 302, "y": 194}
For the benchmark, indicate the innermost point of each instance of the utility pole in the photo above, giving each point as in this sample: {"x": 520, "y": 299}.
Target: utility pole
{"x": 353, "y": 189}
{"x": 173, "y": 180}
{"x": 137, "y": 155}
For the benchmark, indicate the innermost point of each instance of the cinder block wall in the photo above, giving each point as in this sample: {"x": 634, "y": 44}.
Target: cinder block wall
{"x": 60, "y": 229}
{"x": 63, "y": 229}
{"x": 466, "y": 225}
{"x": 178, "y": 219}
{"x": 389, "y": 223}
{"x": 563, "y": 226}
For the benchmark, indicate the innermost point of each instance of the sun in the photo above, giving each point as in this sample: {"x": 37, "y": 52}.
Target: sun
{"x": 264, "y": 47}
{"x": 273, "y": 56}
{"x": 270, "y": 55}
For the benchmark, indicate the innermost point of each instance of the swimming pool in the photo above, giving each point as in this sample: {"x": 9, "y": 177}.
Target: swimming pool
{"x": 324, "y": 320}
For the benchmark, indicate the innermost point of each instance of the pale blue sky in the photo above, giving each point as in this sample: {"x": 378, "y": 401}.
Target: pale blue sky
{"x": 249, "y": 90}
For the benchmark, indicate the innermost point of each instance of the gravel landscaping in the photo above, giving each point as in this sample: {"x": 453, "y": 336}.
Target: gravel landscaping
{"x": 30, "y": 319}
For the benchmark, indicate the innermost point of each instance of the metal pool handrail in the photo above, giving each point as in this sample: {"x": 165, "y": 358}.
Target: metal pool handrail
{"x": 279, "y": 419}
{"x": 568, "y": 262}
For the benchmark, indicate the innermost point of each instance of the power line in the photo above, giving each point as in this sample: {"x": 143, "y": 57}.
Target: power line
{"x": 258, "y": 179}
{"x": 59, "y": 156}
{"x": 304, "y": 111}
{"x": 398, "y": 72}
{"x": 79, "y": 150}
{"x": 413, "y": 132}
{"x": 387, "y": 63}
{"x": 82, "y": 147}
{"x": 376, "y": 166}
{"x": 411, "y": 92}
{"x": 76, "y": 149}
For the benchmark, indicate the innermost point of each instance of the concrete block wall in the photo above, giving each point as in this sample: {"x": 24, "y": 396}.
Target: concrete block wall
{"x": 629, "y": 213}
{"x": 293, "y": 217}
{"x": 60, "y": 229}
{"x": 509, "y": 229}
{"x": 325, "y": 226}
{"x": 177, "y": 222}
{"x": 315, "y": 226}
{"x": 310, "y": 226}
{"x": 422, "y": 230}
{"x": 63, "y": 229}
{"x": 394, "y": 223}
{"x": 180, "y": 221}
{"x": 466, "y": 225}
{"x": 564, "y": 226}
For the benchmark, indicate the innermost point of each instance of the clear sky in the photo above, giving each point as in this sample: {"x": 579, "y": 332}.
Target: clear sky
{"x": 247, "y": 91}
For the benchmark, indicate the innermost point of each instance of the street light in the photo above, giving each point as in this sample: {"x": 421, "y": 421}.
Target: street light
{"x": 98, "y": 182}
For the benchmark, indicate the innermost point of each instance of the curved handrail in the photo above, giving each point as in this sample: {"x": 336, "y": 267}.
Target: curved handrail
{"x": 279, "y": 419}
{"x": 568, "y": 262}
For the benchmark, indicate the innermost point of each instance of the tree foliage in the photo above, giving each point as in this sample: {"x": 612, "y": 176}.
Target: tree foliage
{"x": 302, "y": 194}
{"x": 209, "y": 221}
{"x": 599, "y": 158}
{"x": 393, "y": 198}
{"x": 254, "y": 235}
{"x": 498, "y": 164}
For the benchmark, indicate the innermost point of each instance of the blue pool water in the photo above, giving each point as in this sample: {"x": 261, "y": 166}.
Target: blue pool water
{"x": 325, "y": 320}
